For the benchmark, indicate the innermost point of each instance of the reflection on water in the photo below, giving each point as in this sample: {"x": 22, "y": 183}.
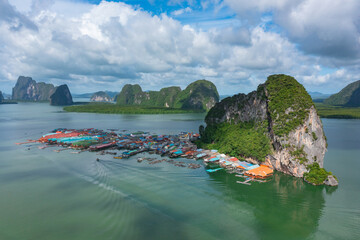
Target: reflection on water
{"x": 285, "y": 208}
{"x": 48, "y": 195}
{"x": 131, "y": 117}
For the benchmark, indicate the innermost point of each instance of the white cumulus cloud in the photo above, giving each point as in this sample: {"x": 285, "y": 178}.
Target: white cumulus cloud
{"x": 104, "y": 46}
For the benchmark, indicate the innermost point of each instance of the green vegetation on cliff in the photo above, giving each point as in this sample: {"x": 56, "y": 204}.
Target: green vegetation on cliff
{"x": 167, "y": 96}
{"x": 299, "y": 154}
{"x": 128, "y": 94}
{"x": 348, "y": 96}
{"x": 246, "y": 139}
{"x": 276, "y": 108}
{"x": 164, "y": 98}
{"x": 289, "y": 103}
{"x": 218, "y": 110}
{"x": 110, "y": 108}
{"x": 200, "y": 94}
{"x": 263, "y": 123}
{"x": 316, "y": 174}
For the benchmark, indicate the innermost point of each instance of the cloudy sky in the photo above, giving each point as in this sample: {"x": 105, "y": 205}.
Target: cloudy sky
{"x": 102, "y": 45}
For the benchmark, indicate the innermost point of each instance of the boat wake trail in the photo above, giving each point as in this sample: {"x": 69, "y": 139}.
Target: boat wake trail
{"x": 100, "y": 177}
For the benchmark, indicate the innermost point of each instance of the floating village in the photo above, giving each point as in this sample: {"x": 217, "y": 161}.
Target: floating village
{"x": 170, "y": 147}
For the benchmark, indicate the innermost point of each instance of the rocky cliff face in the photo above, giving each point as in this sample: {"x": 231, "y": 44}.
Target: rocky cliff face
{"x": 302, "y": 146}
{"x": 61, "y": 96}
{"x": 29, "y": 90}
{"x": 100, "y": 96}
{"x": 239, "y": 108}
{"x": 1, "y": 97}
{"x": 293, "y": 126}
{"x": 200, "y": 94}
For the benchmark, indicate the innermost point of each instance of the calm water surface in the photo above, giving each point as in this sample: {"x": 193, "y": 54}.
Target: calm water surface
{"x": 49, "y": 195}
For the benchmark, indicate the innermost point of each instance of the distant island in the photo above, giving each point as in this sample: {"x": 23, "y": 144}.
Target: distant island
{"x": 61, "y": 96}
{"x": 199, "y": 96}
{"x": 27, "y": 89}
{"x": 344, "y": 104}
{"x": 100, "y": 96}
{"x": 276, "y": 125}
{"x": 5, "y": 101}
{"x": 318, "y": 96}
{"x": 111, "y": 94}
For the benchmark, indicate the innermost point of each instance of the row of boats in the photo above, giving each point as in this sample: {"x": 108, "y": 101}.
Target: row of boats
{"x": 173, "y": 146}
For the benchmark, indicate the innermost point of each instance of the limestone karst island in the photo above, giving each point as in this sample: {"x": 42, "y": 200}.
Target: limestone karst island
{"x": 275, "y": 127}
{"x": 179, "y": 119}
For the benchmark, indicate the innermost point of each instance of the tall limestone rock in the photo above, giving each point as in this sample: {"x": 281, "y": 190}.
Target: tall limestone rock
{"x": 1, "y": 97}
{"x": 27, "y": 89}
{"x": 61, "y": 96}
{"x": 200, "y": 94}
{"x": 100, "y": 96}
{"x": 133, "y": 95}
{"x": 166, "y": 97}
{"x": 130, "y": 95}
{"x": 278, "y": 120}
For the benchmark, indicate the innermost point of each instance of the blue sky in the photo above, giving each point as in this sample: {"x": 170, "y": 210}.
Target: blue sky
{"x": 102, "y": 45}
{"x": 200, "y": 14}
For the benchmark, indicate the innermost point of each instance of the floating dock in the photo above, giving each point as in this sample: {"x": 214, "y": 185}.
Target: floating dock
{"x": 172, "y": 146}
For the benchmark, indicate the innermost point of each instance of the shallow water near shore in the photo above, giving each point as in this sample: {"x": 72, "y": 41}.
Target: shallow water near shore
{"x": 50, "y": 195}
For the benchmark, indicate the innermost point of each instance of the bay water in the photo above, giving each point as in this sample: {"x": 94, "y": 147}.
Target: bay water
{"x": 59, "y": 195}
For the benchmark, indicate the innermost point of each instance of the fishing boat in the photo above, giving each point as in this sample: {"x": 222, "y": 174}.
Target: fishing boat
{"x": 213, "y": 160}
{"x": 176, "y": 154}
{"x": 213, "y": 170}
{"x": 200, "y": 155}
{"x": 130, "y": 153}
{"x": 189, "y": 154}
{"x": 226, "y": 164}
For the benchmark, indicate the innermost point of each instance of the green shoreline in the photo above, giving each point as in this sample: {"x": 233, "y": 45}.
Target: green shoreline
{"x": 325, "y": 111}
{"x": 339, "y": 112}
{"x": 109, "y": 108}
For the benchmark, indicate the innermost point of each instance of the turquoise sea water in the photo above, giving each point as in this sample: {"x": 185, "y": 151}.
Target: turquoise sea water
{"x": 50, "y": 195}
